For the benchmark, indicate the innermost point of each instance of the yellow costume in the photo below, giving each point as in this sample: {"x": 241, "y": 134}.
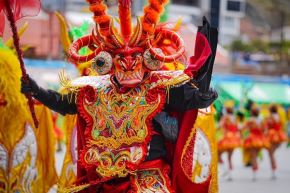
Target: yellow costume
{"x": 206, "y": 122}
{"x": 26, "y": 153}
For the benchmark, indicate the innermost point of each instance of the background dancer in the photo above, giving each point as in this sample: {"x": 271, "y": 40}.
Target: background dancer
{"x": 231, "y": 136}
{"x": 256, "y": 139}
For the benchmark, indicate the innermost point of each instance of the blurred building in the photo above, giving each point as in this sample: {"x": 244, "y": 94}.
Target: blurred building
{"x": 227, "y": 17}
{"x": 231, "y": 13}
{"x": 276, "y": 34}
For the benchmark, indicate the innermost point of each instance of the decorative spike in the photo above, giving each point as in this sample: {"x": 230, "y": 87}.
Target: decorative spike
{"x": 137, "y": 33}
{"x": 115, "y": 36}
{"x": 177, "y": 24}
{"x": 95, "y": 39}
{"x": 102, "y": 39}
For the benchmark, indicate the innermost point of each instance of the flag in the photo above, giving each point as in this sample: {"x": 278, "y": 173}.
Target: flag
{"x": 21, "y": 8}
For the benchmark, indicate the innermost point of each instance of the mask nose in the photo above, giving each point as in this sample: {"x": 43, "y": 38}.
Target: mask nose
{"x": 127, "y": 63}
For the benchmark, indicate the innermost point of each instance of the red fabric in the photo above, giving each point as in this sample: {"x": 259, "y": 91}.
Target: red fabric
{"x": 201, "y": 54}
{"x": 180, "y": 182}
{"x": 22, "y": 8}
{"x": 2, "y": 23}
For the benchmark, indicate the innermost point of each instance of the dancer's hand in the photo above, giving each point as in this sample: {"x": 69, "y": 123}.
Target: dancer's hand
{"x": 29, "y": 86}
{"x": 211, "y": 94}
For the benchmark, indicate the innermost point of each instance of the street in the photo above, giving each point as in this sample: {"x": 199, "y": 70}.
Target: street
{"x": 242, "y": 176}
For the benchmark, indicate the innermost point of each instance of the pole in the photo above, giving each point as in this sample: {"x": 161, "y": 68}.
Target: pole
{"x": 10, "y": 17}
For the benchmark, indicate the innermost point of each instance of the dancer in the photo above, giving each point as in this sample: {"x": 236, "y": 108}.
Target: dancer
{"x": 26, "y": 154}
{"x": 120, "y": 146}
{"x": 231, "y": 136}
{"x": 275, "y": 134}
{"x": 256, "y": 139}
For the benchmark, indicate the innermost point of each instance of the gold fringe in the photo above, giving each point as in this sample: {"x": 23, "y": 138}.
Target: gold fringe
{"x": 72, "y": 188}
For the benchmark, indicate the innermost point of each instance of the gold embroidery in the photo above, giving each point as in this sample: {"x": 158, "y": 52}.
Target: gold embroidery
{"x": 119, "y": 129}
{"x": 151, "y": 180}
{"x": 121, "y": 115}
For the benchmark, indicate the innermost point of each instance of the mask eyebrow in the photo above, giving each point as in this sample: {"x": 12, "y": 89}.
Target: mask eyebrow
{"x": 128, "y": 51}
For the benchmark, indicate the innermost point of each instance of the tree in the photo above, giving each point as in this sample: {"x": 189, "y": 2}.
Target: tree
{"x": 277, "y": 13}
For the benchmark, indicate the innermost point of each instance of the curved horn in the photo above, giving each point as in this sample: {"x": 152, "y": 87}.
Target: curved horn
{"x": 173, "y": 37}
{"x": 64, "y": 35}
{"x": 80, "y": 43}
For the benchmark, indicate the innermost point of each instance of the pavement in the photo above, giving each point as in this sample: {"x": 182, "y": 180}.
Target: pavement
{"x": 242, "y": 176}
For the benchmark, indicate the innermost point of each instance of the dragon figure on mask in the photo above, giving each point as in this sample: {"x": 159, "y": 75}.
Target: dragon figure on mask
{"x": 135, "y": 122}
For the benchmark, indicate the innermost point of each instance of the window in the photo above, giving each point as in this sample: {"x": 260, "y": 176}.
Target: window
{"x": 234, "y": 6}
{"x": 194, "y": 3}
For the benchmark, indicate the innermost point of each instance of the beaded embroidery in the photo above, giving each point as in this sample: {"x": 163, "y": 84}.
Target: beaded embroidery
{"x": 118, "y": 125}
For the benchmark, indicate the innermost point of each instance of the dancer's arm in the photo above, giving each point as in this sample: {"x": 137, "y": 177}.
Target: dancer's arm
{"x": 63, "y": 104}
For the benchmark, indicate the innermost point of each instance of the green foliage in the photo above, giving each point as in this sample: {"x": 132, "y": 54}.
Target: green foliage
{"x": 259, "y": 45}
{"x": 240, "y": 46}
{"x": 276, "y": 46}
{"x": 253, "y": 46}
{"x": 77, "y": 32}
{"x": 164, "y": 17}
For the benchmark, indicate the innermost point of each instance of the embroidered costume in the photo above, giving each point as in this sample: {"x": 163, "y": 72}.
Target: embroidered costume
{"x": 123, "y": 143}
{"x": 26, "y": 155}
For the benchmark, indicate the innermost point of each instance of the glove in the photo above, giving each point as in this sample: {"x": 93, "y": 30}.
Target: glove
{"x": 29, "y": 86}
{"x": 169, "y": 125}
{"x": 211, "y": 94}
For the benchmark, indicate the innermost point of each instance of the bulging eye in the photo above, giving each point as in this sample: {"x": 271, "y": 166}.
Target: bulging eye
{"x": 102, "y": 63}
{"x": 136, "y": 54}
{"x": 150, "y": 62}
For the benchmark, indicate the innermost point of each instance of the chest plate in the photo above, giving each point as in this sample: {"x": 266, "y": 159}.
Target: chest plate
{"x": 118, "y": 126}
{"x": 118, "y": 129}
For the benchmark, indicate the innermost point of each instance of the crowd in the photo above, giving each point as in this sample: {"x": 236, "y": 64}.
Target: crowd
{"x": 252, "y": 128}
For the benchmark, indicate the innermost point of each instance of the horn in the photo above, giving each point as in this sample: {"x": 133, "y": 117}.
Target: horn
{"x": 100, "y": 16}
{"x": 125, "y": 19}
{"x": 100, "y": 40}
{"x": 151, "y": 17}
{"x": 175, "y": 39}
{"x": 137, "y": 33}
{"x": 115, "y": 36}
{"x": 80, "y": 43}
{"x": 64, "y": 35}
